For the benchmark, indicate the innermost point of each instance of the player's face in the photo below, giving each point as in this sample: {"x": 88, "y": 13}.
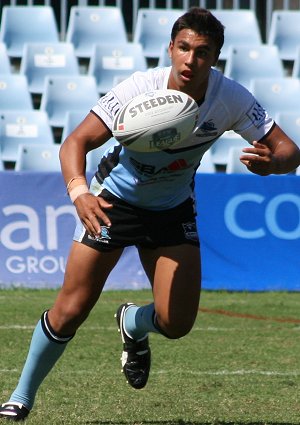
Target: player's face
{"x": 192, "y": 57}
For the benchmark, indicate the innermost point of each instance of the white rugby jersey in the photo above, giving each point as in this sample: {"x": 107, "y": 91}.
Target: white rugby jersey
{"x": 164, "y": 179}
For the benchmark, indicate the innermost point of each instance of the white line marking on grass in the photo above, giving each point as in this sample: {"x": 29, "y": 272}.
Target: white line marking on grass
{"x": 241, "y": 372}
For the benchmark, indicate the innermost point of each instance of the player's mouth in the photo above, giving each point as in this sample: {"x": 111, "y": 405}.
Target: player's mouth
{"x": 187, "y": 75}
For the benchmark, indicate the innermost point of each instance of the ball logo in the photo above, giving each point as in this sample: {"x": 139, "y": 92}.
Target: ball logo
{"x": 164, "y": 139}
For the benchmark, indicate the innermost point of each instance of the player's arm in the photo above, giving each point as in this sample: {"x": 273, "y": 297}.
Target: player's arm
{"x": 90, "y": 134}
{"x": 275, "y": 153}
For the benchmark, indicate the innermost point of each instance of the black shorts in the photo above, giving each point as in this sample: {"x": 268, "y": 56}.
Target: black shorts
{"x": 131, "y": 225}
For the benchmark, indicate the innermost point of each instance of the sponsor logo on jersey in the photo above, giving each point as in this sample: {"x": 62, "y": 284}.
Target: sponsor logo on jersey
{"x": 257, "y": 115}
{"x": 150, "y": 170}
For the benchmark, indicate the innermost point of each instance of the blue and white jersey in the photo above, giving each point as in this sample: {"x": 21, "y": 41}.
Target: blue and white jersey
{"x": 162, "y": 180}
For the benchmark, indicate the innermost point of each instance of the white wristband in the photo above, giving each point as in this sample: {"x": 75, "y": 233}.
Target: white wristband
{"x": 77, "y": 191}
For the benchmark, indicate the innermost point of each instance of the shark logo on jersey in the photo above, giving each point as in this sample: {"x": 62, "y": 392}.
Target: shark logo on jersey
{"x": 103, "y": 237}
{"x": 208, "y": 128}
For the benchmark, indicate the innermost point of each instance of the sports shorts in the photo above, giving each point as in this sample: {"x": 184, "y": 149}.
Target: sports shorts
{"x": 140, "y": 227}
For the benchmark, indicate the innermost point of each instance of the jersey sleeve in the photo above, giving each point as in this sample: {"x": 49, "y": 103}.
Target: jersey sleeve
{"x": 250, "y": 119}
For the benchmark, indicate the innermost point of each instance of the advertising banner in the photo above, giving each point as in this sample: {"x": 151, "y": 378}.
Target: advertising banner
{"x": 249, "y": 229}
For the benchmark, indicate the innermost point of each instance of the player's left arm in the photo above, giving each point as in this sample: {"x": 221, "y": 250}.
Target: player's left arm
{"x": 275, "y": 153}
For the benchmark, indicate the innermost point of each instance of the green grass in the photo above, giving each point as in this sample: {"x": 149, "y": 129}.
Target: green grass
{"x": 239, "y": 365}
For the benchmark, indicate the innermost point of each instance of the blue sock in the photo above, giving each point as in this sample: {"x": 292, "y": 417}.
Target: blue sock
{"x": 44, "y": 351}
{"x": 139, "y": 321}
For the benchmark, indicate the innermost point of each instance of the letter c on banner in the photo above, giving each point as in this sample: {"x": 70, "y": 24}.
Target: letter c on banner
{"x": 230, "y": 216}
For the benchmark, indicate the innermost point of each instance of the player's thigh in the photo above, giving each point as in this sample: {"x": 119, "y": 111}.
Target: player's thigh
{"x": 175, "y": 275}
{"x": 86, "y": 272}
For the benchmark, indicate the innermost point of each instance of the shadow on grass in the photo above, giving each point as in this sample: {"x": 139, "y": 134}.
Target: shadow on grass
{"x": 181, "y": 422}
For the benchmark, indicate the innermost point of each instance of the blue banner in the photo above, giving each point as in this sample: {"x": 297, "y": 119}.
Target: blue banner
{"x": 250, "y": 231}
{"x": 249, "y": 228}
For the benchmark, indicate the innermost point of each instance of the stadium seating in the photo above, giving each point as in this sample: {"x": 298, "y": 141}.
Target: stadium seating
{"x": 296, "y": 64}
{"x": 241, "y": 28}
{"x": 24, "y": 126}
{"x": 14, "y": 92}
{"x": 290, "y": 124}
{"x": 111, "y": 60}
{"x": 247, "y": 62}
{"x": 89, "y": 25}
{"x": 234, "y": 165}
{"x": 153, "y": 29}
{"x": 63, "y": 93}
{"x": 220, "y": 149}
{"x": 164, "y": 58}
{"x": 42, "y": 59}
{"x": 38, "y": 158}
{"x": 277, "y": 94}
{"x": 207, "y": 165}
{"x": 5, "y": 67}
{"x": 285, "y": 33}
{"x": 27, "y": 24}
{"x": 73, "y": 118}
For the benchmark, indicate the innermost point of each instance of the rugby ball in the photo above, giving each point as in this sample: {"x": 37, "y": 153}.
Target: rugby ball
{"x": 156, "y": 120}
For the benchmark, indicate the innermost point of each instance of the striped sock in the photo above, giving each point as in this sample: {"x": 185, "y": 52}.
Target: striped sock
{"x": 45, "y": 349}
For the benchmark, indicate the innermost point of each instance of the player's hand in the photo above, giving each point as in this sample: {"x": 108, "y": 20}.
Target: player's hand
{"x": 259, "y": 159}
{"x": 90, "y": 210}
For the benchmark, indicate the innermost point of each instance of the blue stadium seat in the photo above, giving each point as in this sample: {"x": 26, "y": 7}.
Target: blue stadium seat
{"x": 38, "y": 158}
{"x": 14, "y": 92}
{"x": 164, "y": 58}
{"x": 277, "y": 94}
{"x": 296, "y": 65}
{"x": 5, "y": 67}
{"x": 285, "y": 33}
{"x": 73, "y": 118}
{"x": 42, "y": 59}
{"x": 89, "y": 25}
{"x": 247, "y": 62}
{"x": 234, "y": 165}
{"x": 112, "y": 60}
{"x": 27, "y": 24}
{"x": 63, "y": 93}
{"x": 220, "y": 149}
{"x": 241, "y": 27}
{"x": 290, "y": 124}
{"x": 207, "y": 165}
{"x": 153, "y": 29}
{"x": 24, "y": 126}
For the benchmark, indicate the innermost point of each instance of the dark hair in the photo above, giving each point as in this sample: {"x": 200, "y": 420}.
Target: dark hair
{"x": 202, "y": 21}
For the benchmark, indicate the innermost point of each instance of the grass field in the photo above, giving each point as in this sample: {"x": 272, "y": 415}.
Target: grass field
{"x": 239, "y": 365}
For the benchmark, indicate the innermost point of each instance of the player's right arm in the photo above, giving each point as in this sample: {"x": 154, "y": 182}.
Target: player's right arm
{"x": 90, "y": 134}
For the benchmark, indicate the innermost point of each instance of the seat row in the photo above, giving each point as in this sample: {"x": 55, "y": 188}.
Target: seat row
{"x": 86, "y": 24}
{"x": 111, "y": 62}
{"x": 79, "y": 92}
{"x": 26, "y": 135}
